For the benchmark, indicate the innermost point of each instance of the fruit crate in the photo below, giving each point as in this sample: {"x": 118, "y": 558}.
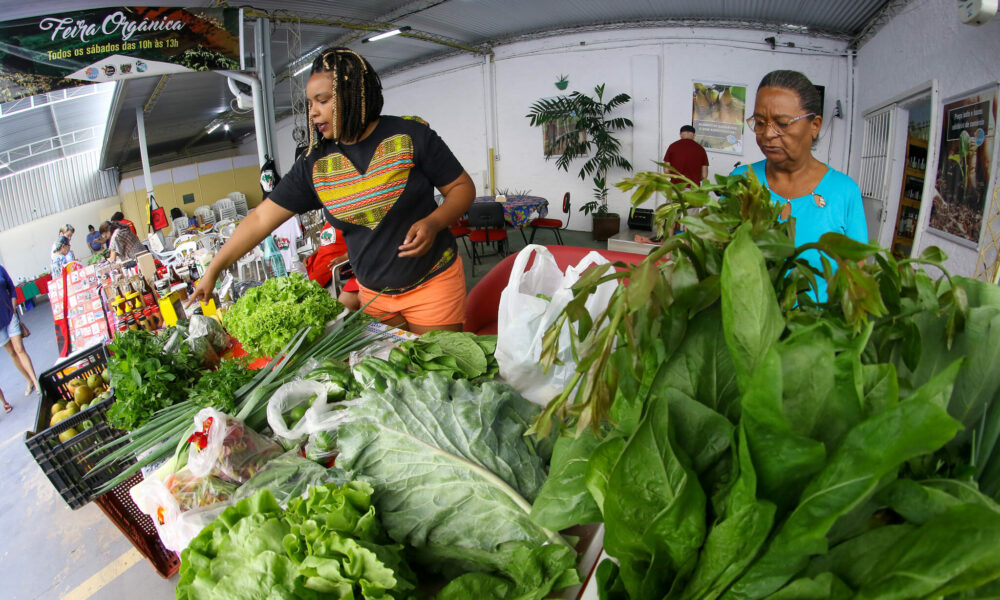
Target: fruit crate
{"x": 66, "y": 463}
{"x": 136, "y": 525}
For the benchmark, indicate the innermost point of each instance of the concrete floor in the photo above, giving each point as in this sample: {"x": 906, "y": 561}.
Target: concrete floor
{"x": 47, "y": 550}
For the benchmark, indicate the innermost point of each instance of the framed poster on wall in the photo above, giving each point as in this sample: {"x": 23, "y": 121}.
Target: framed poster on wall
{"x": 717, "y": 113}
{"x": 965, "y": 164}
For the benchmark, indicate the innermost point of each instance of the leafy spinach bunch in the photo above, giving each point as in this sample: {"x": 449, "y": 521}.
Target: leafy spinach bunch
{"x": 145, "y": 378}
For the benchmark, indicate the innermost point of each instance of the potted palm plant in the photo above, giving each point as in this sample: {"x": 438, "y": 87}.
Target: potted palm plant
{"x": 587, "y": 130}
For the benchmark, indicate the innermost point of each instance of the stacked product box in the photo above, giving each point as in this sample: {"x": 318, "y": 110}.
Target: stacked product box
{"x": 84, "y": 308}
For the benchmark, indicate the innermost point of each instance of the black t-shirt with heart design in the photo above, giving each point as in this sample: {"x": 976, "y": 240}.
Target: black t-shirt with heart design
{"x": 374, "y": 206}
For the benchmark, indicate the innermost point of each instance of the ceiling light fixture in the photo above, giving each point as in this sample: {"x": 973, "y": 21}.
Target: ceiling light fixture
{"x": 213, "y": 127}
{"x": 225, "y": 127}
{"x": 386, "y": 34}
{"x": 302, "y": 70}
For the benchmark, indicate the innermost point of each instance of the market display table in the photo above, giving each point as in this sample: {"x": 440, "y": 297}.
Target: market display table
{"x": 26, "y": 292}
{"x": 520, "y": 210}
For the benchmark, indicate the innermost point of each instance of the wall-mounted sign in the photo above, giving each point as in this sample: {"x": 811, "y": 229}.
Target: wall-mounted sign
{"x": 963, "y": 177}
{"x": 717, "y": 113}
{"x": 51, "y": 52}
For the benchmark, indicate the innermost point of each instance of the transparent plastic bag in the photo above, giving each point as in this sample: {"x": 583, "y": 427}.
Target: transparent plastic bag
{"x": 200, "y": 326}
{"x": 191, "y": 491}
{"x": 289, "y": 476}
{"x": 297, "y": 408}
{"x": 226, "y": 444}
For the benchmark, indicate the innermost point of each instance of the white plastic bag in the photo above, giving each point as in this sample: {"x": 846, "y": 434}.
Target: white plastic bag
{"x": 531, "y": 302}
{"x": 178, "y": 519}
{"x": 297, "y": 393}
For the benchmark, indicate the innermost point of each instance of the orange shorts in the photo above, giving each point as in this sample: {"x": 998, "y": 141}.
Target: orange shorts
{"x": 438, "y": 301}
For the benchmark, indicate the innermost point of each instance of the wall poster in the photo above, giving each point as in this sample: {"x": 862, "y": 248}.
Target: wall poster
{"x": 51, "y": 52}
{"x": 717, "y": 114}
{"x": 964, "y": 178}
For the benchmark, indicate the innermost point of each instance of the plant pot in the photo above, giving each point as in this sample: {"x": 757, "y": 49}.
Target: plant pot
{"x": 606, "y": 226}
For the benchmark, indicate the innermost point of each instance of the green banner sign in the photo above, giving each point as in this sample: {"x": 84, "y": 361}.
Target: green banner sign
{"x": 52, "y": 52}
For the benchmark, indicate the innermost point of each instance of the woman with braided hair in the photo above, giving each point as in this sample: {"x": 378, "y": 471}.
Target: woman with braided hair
{"x": 374, "y": 176}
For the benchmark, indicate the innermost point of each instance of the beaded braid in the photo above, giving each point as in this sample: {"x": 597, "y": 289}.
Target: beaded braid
{"x": 362, "y": 96}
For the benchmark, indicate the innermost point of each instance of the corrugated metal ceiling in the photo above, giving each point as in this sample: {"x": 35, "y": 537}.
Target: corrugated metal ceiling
{"x": 184, "y": 105}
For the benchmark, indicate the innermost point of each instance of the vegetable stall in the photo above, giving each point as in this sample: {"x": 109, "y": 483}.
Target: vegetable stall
{"x": 729, "y": 435}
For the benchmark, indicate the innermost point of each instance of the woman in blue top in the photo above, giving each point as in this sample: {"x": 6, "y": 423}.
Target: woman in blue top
{"x": 787, "y": 117}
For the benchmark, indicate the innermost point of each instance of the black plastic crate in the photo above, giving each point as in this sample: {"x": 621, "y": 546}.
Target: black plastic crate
{"x": 136, "y": 525}
{"x": 66, "y": 463}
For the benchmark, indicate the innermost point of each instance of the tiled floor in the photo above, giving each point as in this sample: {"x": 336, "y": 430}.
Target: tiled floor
{"x": 48, "y": 551}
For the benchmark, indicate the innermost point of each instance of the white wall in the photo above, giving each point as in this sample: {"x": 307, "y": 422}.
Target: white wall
{"x": 25, "y": 250}
{"x": 454, "y": 96}
{"x": 923, "y": 42}
{"x": 448, "y": 94}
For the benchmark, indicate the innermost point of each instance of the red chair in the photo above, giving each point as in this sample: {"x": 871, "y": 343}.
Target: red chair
{"x": 553, "y": 225}
{"x": 488, "y": 227}
{"x": 483, "y": 301}
{"x": 460, "y": 229}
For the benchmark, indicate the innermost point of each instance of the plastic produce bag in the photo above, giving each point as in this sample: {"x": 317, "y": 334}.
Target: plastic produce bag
{"x": 225, "y": 444}
{"x": 181, "y": 505}
{"x": 531, "y": 302}
{"x": 289, "y": 476}
{"x": 200, "y": 326}
{"x": 297, "y": 408}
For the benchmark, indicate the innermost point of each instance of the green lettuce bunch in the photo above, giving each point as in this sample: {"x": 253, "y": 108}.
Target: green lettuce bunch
{"x": 266, "y": 317}
{"x": 327, "y": 545}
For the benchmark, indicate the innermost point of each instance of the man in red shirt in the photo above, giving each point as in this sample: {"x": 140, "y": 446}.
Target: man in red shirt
{"x": 687, "y": 156}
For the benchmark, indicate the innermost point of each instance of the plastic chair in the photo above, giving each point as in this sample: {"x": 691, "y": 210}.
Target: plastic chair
{"x": 239, "y": 202}
{"x": 207, "y": 215}
{"x": 180, "y": 225}
{"x": 488, "y": 227}
{"x": 225, "y": 208}
{"x": 553, "y": 225}
{"x": 460, "y": 229}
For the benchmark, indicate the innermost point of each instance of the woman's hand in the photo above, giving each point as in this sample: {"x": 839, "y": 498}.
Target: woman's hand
{"x": 203, "y": 291}
{"x": 419, "y": 238}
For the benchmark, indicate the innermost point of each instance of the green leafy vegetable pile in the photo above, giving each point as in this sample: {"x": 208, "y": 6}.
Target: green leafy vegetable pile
{"x": 454, "y": 478}
{"x": 268, "y": 316}
{"x": 145, "y": 378}
{"x": 327, "y": 545}
{"x": 218, "y": 388}
{"x": 459, "y": 355}
{"x": 740, "y": 440}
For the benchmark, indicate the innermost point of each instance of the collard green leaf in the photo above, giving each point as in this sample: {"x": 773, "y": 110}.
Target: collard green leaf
{"x": 751, "y": 318}
{"x": 855, "y": 560}
{"x": 881, "y": 389}
{"x": 915, "y": 427}
{"x": 825, "y": 586}
{"x": 564, "y": 500}
{"x": 430, "y": 444}
{"x": 654, "y": 511}
{"x": 532, "y": 574}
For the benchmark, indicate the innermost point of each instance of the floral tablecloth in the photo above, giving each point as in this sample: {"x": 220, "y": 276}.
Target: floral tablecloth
{"x": 520, "y": 210}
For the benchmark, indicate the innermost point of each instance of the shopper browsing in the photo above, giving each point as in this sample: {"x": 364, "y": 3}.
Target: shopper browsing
{"x": 787, "y": 118}
{"x": 59, "y": 257}
{"x": 94, "y": 239}
{"x": 11, "y": 334}
{"x": 374, "y": 176}
{"x": 65, "y": 232}
{"x": 119, "y": 217}
{"x": 122, "y": 243}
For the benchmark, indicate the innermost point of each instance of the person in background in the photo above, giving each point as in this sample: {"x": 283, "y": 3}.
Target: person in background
{"x": 375, "y": 176}
{"x": 787, "y": 118}
{"x": 10, "y": 334}
{"x": 6, "y": 405}
{"x": 94, "y": 239}
{"x": 66, "y": 231}
{"x": 119, "y": 217}
{"x": 122, "y": 243}
{"x": 687, "y": 156}
{"x": 59, "y": 257}
{"x": 690, "y": 159}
